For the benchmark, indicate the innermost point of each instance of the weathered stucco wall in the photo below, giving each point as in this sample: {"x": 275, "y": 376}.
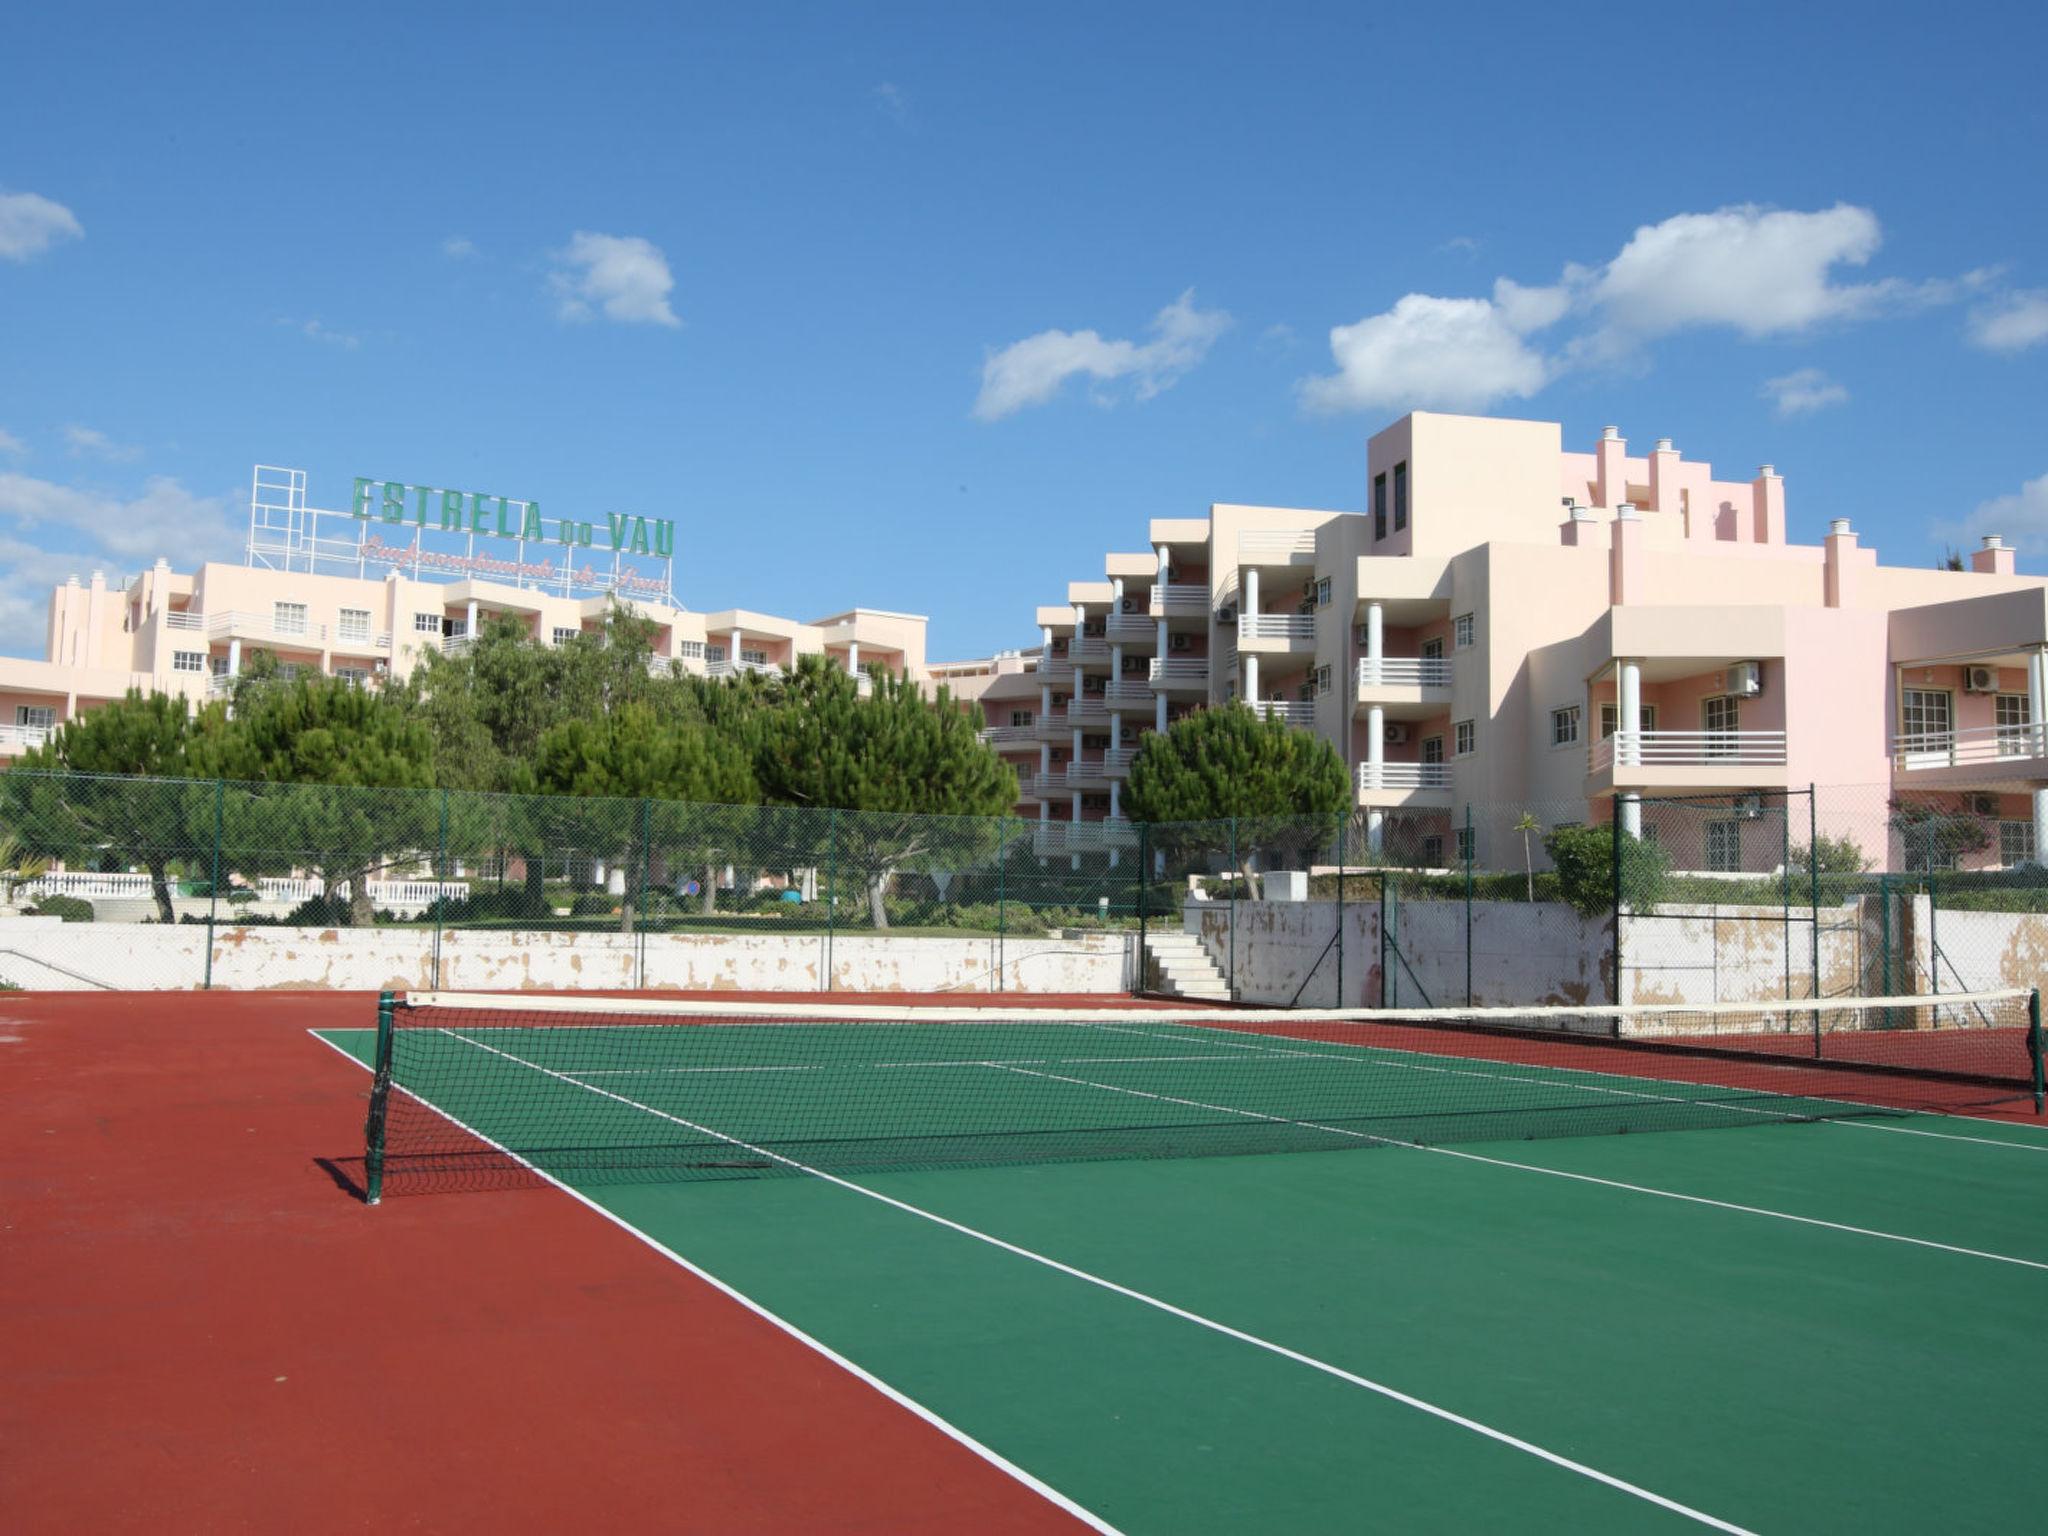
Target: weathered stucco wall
{"x": 42, "y": 953}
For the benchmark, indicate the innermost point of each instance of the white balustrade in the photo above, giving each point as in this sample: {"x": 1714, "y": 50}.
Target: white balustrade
{"x": 1971, "y": 745}
{"x": 1404, "y": 775}
{"x": 1404, "y": 672}
{"x": 1690, "y": 749}
{"x": 1276, "y": 626}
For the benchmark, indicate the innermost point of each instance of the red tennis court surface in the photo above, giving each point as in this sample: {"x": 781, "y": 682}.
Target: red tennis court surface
{"x": 203, "y": 1331}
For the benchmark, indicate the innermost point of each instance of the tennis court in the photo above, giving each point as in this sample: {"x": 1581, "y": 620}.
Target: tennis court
{"x": 1461, "y": 1301}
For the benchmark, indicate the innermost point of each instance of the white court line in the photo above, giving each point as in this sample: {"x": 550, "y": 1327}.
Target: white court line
{"x": 1379, "y": 1388}
{"x": 952, "y": 1432}
{"x": 881, "y": 1066}
{"x": 1556, "y": 1173}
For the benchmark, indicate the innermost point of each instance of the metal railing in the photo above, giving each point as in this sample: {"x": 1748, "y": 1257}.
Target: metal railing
{"x": 1180, "y": 598}
{"x": 1135, "y": 625}
{"x": 1973, "y": 744}
{"x": 1185, "y": 670}
{"x": 1088, "y": 648}
{"x": 1404, "y": 672}
{"x": 1404, "y": 775}
{"x": 1116, "y": 762}
{"x": 1689, "y": 749}
{"x": 1010, "y": 735}
{"x": 1083, "y": 711}
{"x": 1130, "y": 690}
{"x": 1293, "y": 711}
{"x": 1276, "y": 626}
{"x": 23, "y": 738}
{"x": 731, "y": 668}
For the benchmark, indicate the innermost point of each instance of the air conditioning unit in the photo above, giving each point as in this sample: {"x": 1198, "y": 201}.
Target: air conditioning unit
{"x": 1308, "y": 589}
{"x": 1364, "y": 634}
{"x": 1396, "y": 733}
{"x": 1746, "y": 679}
{"x": 1227, "y": 614}
{"x": 1980, "y": 679}
{"x": 1128, "y": 734}
{"x": 1128, "y": 605}
{"x": 1177, "y": 643}
{"x": 1748, "y": 807}
{"x": 1134, "y": 664}
{"x": 1983, "y": 805}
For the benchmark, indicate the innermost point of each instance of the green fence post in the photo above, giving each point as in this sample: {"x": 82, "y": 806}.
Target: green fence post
{"x": 1144, "y": 882}
{"x": 1614, "y": 817}
{"x": 380, "y": 1101}
{"x": 1002, "y": 894}
{"x": 1813, "y": 883}
{"x": 440, "y": 876}
{"x": 1386, "y": 999}
{"x": 646, "y": 859}
{"x": 220, "y": 790}
{"x": 831, "y": 889}
{"x": 1785, "y": 887}
{"x": 1471, "y": 851}
{"x": 2034, "y": 1047}
{"x": 1342, "y": 819}
{"x": 1236, "y": 868}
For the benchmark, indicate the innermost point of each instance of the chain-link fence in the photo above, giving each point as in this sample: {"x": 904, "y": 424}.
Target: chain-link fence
{"x": 1722, "y": 897}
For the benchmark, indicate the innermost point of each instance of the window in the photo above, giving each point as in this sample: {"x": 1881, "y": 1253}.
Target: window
{"x": 692, "y": 650}
{"x": 1724, "y": 846}
{"x": 1465, "y": 845}
{"x": 1463, "y": 735}
{"x": 563, "y": 634}
{"x": 288, "y": 618}
{"x": 714, "y": 653}
{"x": 1461, "y": 632}
{"x": 188, "y": 661}
{"x": 354, "y": 625}
{"x": 1646, "y": 718}
{"x": 355, "y": 677}
{"x": 1379, "y": 506}
{"x": 426, "y": 623}
{"x": 1433, "y": 852}
{"x": 1323, "y": 679}
{"x": 1432, "y": 749}
{"x": 1020, "y": 717}
{"x": 2012, "y": 719}
{"x": 1564, "y": 726}
{"x": 1400, "y": 496}
{"x": 2015, "y": 843}
{"x": 38, "y": 717}
{"x": 1927, "y": 718}
{"x": 754, "y": 658}
{"x": 1719, "y": 716}
{"x": 1433, "y": 648}
{"x": 1322, "y": 591}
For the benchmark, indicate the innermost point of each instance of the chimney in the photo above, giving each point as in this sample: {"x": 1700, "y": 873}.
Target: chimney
{"x": 1838, "y": 581}
{"x": 1767, "y": 500}
{"x": 1994, "y": 559}
{"x": 1610, "y": 480}
{"x": 1664, "y": 477}
{"x": 1581, "y": 526}
{"x": 1626, "y": 577}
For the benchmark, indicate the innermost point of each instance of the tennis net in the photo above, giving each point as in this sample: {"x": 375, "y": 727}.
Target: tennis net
{"x": 471, "y": 1089}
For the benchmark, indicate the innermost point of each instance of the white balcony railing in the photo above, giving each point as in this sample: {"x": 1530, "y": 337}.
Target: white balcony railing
{"x": 1276, "y": 548}
{"x": 1404, "y": 672}
{"x": 1084, "y": 711}
{"x": 1276, "y": 626}
{"x": 16, "y": 739}
{"x": 185, "y": 621}
{"x": 456, "y": 645}
{"x": 1404, "y": 776}
{"x": 1088, "y": 648}
{"x": 1055, "y": 666}
{"x": 730, "y": 668}
{"x": 1050, "y": 837}
{"x": 1128, "y": 690}
{"x": 1116, "y": 762}
{"x": 1000, "y": 736}
{"x": 262, "y": 626}
{"x": 1138, "y": 624}
{"x": 87, "y": 885}
{"x": 1188, "y": 671}
{"x": 1180, "y": 598}
{"x": 1690, "y": 749}
{"x": 360, "y": 640}
{"x": 1294, "y": 711}
{"x": 219, "y": 685}
{"x": 1978, "y": 744}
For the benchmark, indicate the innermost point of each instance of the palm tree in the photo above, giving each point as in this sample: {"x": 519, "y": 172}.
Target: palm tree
{"x": 1525, "y": 826}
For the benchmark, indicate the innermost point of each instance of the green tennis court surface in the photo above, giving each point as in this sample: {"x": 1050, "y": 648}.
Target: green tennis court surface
{"x": 1775, "y": 1323}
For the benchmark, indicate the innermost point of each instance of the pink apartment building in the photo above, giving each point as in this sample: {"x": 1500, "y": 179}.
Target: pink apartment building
{"x": 1513, "y": 626}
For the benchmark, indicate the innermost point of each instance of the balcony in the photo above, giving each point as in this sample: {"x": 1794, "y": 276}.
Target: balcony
{"x": 234, "y": 625}
{"x": 1267, "y": 632}
{"x": 1404, "y": 784}
{"x": 1298, "y": 713}
{"x": 1010, "y": 737}
{"x": 457, "y": 645}
{"x": 1116, "y": 762}
{"x": 725, "y": 667}
{"x": 17, "y": 739}
{"x": 1976, "y": 757}
{"x": 1085, "y": 712}
{"x": 1297, "y": 547}
{"x": 1057, "y": 837}
{"x": 1135, "y": 627}
{"x": 1128, "y": 692}
{"x": 1087, "y": 775}
{"x": 1688, "y": 760}
{"x": 1088, "y": 648}
{"x": 1404, "y": 672}
{"x": 1180, "y": 674}
{"x": 349, "y": 638}
{"x": 1052, "y": 669}
{"x": 1180, "y": 600}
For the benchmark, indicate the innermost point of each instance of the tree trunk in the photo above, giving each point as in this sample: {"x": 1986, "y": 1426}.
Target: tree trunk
{"x": 536, "y": 874}
{"x": 710, "y": 892}
{"x": 361, "y": 913}
{"x": 159, "y": 886}
{"x": 878, "y": 909}
{"x": 1529, "y": 868}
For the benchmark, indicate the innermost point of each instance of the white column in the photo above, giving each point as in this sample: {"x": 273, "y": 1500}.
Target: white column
{"x": 732, "y": 649}
{"x": 1375, "y": 744}
{"x": 2040, "y": 826}
{"x": 1375, "y": 830}
{"x": 1044, "y": 758}
{"x": 470, "y": 627}
{"x": 1375, "y": 639}
{"x": 1045, "y": 688}
{"x": 234, "y": 658}
{"x": 1116, "y": 803}
{"x": 1247, "y": 663}
{"x": 1251, "y": 678}
{"x": 1632, "y": 814}
{"x": 1159, "y": 712}
{"x": 853, "y": 657}
{"x": 1164, "y": 562}
{"x": 1250, "y": 606}
{"x": 1628, "y": 715}
{"x": 1075, "y": 756}
{"x": 1072, "y": 834}
{"x": 2037, "y": 695}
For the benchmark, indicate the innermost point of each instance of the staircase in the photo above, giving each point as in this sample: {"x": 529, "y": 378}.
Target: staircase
{"x": 1183, "y": 967}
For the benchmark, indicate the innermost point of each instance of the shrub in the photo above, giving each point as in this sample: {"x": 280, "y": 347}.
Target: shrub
{"x": 594, "y": 904}
{"x": 72, "y": 909}
{"x": 318, "y": 912}
{"x": 1583, "y": 862}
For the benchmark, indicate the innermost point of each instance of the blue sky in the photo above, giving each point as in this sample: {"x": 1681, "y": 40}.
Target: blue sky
{"x": 928, "y": 307}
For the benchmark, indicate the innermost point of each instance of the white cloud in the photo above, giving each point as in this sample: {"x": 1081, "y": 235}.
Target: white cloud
{"x": 2021, "y": 517}
{"x": 11, "y": 444}
{"x": 893, "y": 104}
{"x": 1432, "y": 353}
{"x": 30, "y": 225}
{"x": 1031, "y": 371}
{"x": 1801, "y": 391}
{"x": 313, "y": 330}
{"x": 2013, "y": 322}
{"x": 623, "y": 277}
{"x": 1462, "y": 245}
{"x": 90, "y": 442}
{"x": 458, "y": 248}
{"x": 101, "y": 531}
{"x": 1758, "y": 271}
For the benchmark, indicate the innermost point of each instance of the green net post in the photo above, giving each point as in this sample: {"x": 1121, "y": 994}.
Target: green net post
{"x": 220, "y": 791}
{"x": 380, "y": 1100}
{"x": 440, "y": 876}
{"x": 1785, "y": 888}
{"x": 2034, "y": 1048}
{"x": 1343, "y": 820}
{"x": 1470, "y": 850}
{"x": 1813, "y": 896}
{"x": 831, "y": 890}
{"x": 1386, "y": 975}
{"x": 1235, "y": 870}
{"x": 1614, "y": 949}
